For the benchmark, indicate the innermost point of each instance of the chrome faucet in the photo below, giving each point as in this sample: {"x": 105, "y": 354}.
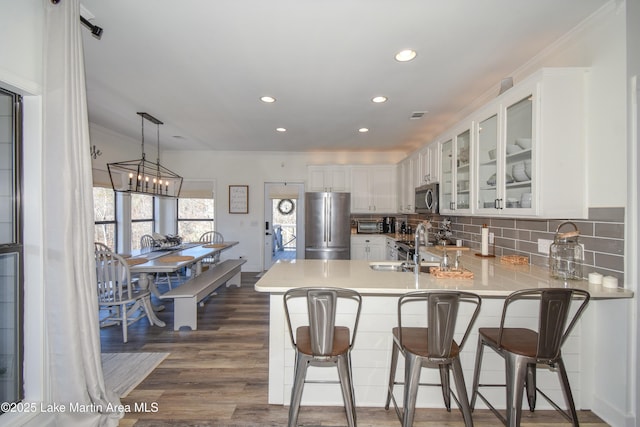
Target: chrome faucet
{"x": 420, "y": 239}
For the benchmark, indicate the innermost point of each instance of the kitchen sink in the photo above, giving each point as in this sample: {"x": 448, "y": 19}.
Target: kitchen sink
{"x": 431, "y": 259}
{"x": 400, "y": 267}
{"x": 395, "y": 266}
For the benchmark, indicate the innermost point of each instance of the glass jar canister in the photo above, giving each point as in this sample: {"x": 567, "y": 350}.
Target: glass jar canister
{"x": 566, "y": 254}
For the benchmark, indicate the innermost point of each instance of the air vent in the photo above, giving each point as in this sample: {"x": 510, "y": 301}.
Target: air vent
{"x": 417, "y": 115}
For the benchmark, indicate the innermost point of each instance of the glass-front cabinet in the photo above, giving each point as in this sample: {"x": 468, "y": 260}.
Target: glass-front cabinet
{"x": 505, "y": 165}
{"x": 523, "y": 154}
{"x": 463, "y": 171}
{"x": 455, "y": 183}
{"x": 530, "y": 150}
{"x": 518, "y": 155}
{"x": 446, "y": 177}
{"x": 488, "y": 154}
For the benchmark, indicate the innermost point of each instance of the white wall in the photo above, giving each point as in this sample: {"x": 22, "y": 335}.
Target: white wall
{"x": 21, "y": 63}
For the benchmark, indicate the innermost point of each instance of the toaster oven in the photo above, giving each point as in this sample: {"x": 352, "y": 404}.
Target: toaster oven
{"x": 369, "y": 226}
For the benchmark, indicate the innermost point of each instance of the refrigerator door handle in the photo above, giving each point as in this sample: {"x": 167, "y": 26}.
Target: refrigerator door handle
{"x": 324, "y": 223}
{"x": 329, "y": 220}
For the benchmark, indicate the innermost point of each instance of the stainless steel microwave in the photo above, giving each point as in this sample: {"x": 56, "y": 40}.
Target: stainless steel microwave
{"x": 427, "y": 199}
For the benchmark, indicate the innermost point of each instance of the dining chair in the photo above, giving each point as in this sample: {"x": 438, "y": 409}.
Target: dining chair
{"x": 212, "y": 237}
{"x": 429, "y": 342}
{"x": 147, "y": 241}
{"x": 320, "y": 340}
{"x": 116, "y": 290}
{"x": 523, "y": 349}
{"x": 98, "y": 246}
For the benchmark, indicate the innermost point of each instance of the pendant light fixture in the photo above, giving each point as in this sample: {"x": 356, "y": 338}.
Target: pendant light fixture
{"x": 143, "y": 176}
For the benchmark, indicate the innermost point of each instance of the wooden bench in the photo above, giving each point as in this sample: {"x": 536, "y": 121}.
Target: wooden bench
{"x": 187, "y": 296}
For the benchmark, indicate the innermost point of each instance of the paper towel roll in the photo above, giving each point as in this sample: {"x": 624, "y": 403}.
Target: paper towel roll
{"x": 610, "y": 282}
{"x": 485, "y": 241}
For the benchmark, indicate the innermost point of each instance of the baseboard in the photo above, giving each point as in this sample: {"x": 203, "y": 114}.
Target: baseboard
{"x": 612, "y": 415}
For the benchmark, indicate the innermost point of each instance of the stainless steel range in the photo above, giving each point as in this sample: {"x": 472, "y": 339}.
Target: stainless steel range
{"x": 405, "y": 250}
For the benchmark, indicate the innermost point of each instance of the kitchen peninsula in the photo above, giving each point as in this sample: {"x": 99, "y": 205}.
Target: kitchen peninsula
{"x": 380, "y": 289}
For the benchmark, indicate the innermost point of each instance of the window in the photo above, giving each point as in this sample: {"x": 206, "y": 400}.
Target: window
{"x": 104, "y": 214}
{"x": 11, "y": 250}
{"x": 142, "y": 217}
{"x": 195, "y": 217}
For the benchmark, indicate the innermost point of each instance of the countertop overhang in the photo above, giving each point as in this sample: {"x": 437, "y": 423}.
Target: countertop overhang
{"x": 491, "y": 278}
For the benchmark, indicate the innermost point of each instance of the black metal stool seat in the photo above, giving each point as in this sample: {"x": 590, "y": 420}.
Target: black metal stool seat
{"x": 523, "y": 349}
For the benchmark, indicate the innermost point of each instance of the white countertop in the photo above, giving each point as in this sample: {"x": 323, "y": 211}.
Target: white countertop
{"x": 491, "y": 278}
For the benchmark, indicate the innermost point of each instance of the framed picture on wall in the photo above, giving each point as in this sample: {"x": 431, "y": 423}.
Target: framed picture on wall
{"x": 239, "y": 199}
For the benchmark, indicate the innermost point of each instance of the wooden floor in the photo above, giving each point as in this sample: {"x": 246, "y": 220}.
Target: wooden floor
{"x": 217, "y": 375}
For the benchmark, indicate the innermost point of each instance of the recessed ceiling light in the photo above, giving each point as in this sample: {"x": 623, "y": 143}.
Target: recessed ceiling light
{"x": 405, "y": 55}
{"x": 267, "y": 99}
{"x": 363, "y": 130}
{"x": 379, "y": 99}
{"x": 281, "y": 129}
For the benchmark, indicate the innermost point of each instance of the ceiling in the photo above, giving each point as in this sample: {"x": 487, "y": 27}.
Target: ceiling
{"x": 200, "y": 66}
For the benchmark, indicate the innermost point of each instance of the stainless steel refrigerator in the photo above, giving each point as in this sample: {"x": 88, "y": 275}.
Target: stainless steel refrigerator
{"x": 327, "y": 226}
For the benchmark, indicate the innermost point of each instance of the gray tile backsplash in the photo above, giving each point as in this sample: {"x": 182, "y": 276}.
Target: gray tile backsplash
{"x": 602, "y": 235}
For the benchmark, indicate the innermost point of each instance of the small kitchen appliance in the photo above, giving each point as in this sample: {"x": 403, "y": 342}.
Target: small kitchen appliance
{"x": 426, "y": 199}
{"x": 388, "y": 224}
{"x": 369, "y": 226}
{"x": 566, "y": 254}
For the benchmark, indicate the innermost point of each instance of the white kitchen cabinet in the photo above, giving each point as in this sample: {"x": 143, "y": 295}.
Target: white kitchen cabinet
{"x": 373, "y": 189}
{"x": 406, "y": 190}
{"x": 428, "y": 165}
{"x": 368, "y": 247}
{"x": 455, "y": 174}
{"x": 530, "y": 148}
{"x": 391, "y": 249}
{"x": 328, "y": 178}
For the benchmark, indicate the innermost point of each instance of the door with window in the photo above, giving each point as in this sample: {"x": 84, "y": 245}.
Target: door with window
{"x": 283, "y": 216}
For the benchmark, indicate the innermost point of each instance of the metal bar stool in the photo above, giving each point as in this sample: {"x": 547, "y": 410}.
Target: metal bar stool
{"x": 320, "y": 342}
{"x": 432, "y": 347}
{"x": 523, "y": 349}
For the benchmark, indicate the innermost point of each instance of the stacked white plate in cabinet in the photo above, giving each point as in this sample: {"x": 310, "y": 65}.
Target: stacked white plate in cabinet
{"x": 513, "y": 148}
{"x": 518, "y": 172}
{"x": 524, "y": 143}
{"x": 527, "y": 167}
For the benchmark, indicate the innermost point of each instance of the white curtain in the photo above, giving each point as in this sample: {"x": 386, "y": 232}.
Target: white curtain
{"x": 72, "y": 311}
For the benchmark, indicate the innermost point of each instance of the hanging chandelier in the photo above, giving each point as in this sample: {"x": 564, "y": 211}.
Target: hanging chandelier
{"x": 143, "y": 176}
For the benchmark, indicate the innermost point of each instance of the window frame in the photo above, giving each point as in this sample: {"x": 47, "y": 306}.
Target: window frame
{"x": 17, "y": 246}
{"x": 179, "y": 220}
{"x": 114, "y": 221}
{"x": 152, "y": 220}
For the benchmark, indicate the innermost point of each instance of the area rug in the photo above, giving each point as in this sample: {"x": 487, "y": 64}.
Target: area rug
{"x": 124, "y": 371}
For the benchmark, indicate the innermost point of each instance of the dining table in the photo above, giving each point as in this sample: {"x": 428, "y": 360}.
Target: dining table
{"x": 157, "y": 260}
